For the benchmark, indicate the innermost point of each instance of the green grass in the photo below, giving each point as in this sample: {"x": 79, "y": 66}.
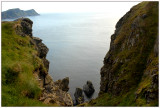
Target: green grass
{"x": 19, "y": 60}
{"x": 108, "y": 100}
{"x": 127, "y": 99}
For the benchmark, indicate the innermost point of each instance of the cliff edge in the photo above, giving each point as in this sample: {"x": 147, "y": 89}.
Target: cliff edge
{"x": 25, "y": 69}
{"x": 129, "y": 76}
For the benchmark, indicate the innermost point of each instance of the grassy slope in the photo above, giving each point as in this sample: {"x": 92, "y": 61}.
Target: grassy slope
{"x": 139, "y": 56}
{"x": 19, "y": 60}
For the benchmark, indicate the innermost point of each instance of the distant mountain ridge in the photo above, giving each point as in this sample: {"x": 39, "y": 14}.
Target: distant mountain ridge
{"x": 17, "y": 13}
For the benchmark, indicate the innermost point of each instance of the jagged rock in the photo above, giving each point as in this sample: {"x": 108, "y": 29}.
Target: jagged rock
{"x": 88, "y": 89}
{"x": 43, "y": 50}
{"x": 48, "y": 88}
{"x": 63, "y": 84}
{"x": 58, "y": 91}
{"x": 53, "y": 92}
{"x": 48, "y": 80}
{"x": 79, "y": 97}
{"x": 24, "y": 28}
{"x": 37, "y": 40}
{"x": 27, "y": 20}
{"x": 57, "y": 96}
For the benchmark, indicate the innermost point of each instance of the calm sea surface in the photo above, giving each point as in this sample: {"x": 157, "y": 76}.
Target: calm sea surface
{"x": 77, "y": 45}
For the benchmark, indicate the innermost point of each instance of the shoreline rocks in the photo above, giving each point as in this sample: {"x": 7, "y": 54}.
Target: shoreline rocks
{"x": 79, "y": 97}
{"x": 63, "y": 84}
{"x": 88, "y": 89}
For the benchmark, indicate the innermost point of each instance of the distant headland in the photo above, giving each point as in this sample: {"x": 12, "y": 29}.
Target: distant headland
{"x": 17, "y": 13}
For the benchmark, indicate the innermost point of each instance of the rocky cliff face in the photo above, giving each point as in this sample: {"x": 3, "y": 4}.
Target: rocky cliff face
{"x": 131, "y": 64}
{"x": 52, "y": 92}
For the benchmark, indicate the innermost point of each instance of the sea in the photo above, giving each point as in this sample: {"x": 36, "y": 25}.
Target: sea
{"x": 78, "y": 43}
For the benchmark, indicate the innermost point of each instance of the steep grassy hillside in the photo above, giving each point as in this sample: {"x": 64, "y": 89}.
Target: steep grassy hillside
{"x": 19, "y": 87}
{"x": 129, "y": 76}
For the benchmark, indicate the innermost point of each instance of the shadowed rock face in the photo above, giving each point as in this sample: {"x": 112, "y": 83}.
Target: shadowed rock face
{"x": 42, "y": 49}
{"x": 88, "y": 89}
{"x": 79, "y": 97}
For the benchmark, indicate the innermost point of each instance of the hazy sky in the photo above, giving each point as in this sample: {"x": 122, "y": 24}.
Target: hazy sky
{"x": 50, "y": 7}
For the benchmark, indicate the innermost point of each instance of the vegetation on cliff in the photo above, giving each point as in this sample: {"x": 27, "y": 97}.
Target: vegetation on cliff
{"x": 19, "y": 87}
{"x": 25, "y": 78}
{"x": 129, "y": 76}
{"x": 17, "y": 13}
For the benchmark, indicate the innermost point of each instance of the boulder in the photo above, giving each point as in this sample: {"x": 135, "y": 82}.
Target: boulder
{"x": 79, "y": 97}
{"x": 64, "y": 84}
{"x": 88, "y": 89}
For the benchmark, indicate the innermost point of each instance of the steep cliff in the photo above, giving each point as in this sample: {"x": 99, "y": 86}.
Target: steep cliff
{"x": 25, "y": 69}
{"x": 17, "y": 13}
{"x": 129, "y": 76}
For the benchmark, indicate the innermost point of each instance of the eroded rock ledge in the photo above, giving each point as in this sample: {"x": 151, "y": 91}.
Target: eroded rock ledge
{"x": 52, "y": 92}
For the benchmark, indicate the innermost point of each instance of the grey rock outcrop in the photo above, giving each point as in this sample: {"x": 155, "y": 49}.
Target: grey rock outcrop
{"x": 88, "y": 89}
{"x": 24, "y": 28}
{"x": 79, "y": 97}
{"x": 63, "y": 84}
{"x": 42, "y": 49}
{"x": 52, "y": 93}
